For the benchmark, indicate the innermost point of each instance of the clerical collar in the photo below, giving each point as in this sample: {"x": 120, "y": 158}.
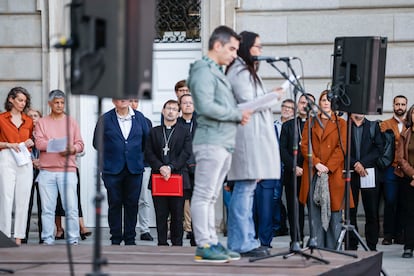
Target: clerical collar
{"x": 170, "y": 127}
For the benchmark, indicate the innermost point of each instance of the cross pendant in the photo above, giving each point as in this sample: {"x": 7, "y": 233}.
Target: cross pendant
{"x": 166, "y": 149}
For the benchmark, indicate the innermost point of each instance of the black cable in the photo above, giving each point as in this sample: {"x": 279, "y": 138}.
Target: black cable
{"x": 66, "y": 167}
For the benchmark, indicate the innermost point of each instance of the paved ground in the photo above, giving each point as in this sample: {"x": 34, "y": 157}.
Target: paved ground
{"x": 393, "y": 264}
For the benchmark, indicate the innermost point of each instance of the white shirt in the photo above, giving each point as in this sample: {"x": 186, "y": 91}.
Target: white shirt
{"x": 125, "y": 123}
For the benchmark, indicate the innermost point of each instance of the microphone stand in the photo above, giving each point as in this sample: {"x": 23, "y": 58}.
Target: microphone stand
{"x": 295, "y": 248}
{"x": 295, "y": 245}
{"x": 98, "y": 261}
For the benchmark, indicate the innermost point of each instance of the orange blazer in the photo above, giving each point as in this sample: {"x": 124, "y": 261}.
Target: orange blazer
{"x": 326, "y": 149}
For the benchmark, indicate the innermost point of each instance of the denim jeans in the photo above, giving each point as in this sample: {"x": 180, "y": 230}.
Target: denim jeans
{"x": 50, "y": 183}
{"x": 213, "y": 164}
{"x": 392, "y": 183}
{"x": 145, "y": 203}
{"x": 264, "y": 209}
{"x": 240, "y": 228}
{"x": 277, "y": 200}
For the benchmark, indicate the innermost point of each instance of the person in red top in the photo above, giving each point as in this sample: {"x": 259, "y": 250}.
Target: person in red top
{"x": 15, "y": 180}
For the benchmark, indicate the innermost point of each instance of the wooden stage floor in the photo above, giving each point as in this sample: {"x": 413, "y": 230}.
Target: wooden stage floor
{"x": 152, "y": 260}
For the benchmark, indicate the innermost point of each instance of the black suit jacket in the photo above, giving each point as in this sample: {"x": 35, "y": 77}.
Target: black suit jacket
{"x": 286, "y": 144}
{"x": 370, "y": 146}
{"x": 180, "y": 150}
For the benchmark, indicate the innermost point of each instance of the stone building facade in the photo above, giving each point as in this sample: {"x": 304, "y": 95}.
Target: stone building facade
{"x": 304, "y": 29}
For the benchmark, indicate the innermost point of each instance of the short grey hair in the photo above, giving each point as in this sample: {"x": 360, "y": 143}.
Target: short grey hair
{"x": 56, "y": 94}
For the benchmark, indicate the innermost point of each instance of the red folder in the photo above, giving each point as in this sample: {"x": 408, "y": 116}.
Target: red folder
{"x": 162, "y": 187}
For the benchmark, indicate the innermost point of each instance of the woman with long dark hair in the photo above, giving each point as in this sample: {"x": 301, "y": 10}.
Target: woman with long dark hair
{"x": 256, "y": 154}
{"x": 16, "y": 130}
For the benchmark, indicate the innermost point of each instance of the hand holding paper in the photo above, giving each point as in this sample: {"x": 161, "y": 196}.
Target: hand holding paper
{"x": 57, "y": 145}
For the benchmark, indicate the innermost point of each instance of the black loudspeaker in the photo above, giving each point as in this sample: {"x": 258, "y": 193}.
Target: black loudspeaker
{"x": 358, "y": 74}
{"x": 112, "y": 46}
{"x": 6, "y": 242}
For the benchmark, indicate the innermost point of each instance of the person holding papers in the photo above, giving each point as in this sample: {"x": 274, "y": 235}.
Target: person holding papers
{"x": 58, "y": 144}
{"x": 15, "y": 178}
{"x": 366, "y": 145}
{"x": 256, "y": 158}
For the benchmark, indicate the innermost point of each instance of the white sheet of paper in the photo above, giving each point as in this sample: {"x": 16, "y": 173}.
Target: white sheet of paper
{"x": 257, "y": 103}
{"x": 22, "y": 157}
{"x": 369, "y": 180}
{"x": 56, "y": 145}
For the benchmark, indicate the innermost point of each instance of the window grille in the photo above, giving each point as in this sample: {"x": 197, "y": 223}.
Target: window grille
{"x": 178, "y": 21}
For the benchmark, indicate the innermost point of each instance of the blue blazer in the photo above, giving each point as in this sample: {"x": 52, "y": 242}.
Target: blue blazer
{"x": 119, "y": 153}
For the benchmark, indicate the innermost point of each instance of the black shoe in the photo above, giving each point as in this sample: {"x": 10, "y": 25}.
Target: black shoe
{"x": 84, "y": 235}
{"x": 61, "y": 237}
{"x": 386, "y": 241}
{"x": 189, "y": 235}
{"x": 23, "y": 241}
{"x": 257, "y": 252}
{"x": 399, "y": 239}
{"x": 408, "y": 253}
{"x": 116, "y": 242}
{"x": 130, "y": 243}
{"x": 146, "y": 237}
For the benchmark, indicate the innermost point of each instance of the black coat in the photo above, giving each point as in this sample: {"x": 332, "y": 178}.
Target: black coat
{"x": 370, "y": 146}
{"x": 286, "y": 144}
{"x": 180, "y": 151}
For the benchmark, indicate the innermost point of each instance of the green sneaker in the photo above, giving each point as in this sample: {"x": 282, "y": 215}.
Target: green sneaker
{"x": 210, "y": 254}
{"x": 232, "y": 255}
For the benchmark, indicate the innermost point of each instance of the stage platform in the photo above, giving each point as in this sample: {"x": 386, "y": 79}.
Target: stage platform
{"x": 45, "y": 260}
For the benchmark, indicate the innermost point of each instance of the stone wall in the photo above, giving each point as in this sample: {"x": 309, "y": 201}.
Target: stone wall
{"x": 307, "y": 29}
{"x": 20, "y": 48}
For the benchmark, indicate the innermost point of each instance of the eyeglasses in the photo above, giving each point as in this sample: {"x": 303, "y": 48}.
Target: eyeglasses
{"x": 287, "y": 107}
{"x": 171, "y": 109}
{"x": 260, "y": 47}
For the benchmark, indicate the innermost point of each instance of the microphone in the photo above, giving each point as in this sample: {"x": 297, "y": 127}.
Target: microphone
{"x": 272, "y": 59}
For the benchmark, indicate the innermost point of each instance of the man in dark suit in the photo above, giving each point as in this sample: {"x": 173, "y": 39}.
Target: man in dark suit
{"x": 123, "y": 132}
{"x": 167, "y": 150}
{"x": 286, "y": 155}
{"x": 366, "y": 148}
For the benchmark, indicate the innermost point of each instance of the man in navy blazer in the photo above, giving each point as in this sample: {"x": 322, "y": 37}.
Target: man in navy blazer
{"x": 119, "y": 137}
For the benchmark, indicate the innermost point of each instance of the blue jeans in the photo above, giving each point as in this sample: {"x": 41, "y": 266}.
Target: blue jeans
{"x": 240, "y": 228}
{"x": 392, "y": 183}
{"x": 277, "y": 201}
{"x": 264, "y": 210}
{"x": 50, "y": 183}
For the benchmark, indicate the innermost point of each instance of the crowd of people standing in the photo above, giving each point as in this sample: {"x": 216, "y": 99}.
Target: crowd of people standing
{"x": 221, "y": 126}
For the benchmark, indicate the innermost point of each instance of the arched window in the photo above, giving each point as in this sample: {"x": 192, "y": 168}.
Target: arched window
{"x": 177, "y": 21}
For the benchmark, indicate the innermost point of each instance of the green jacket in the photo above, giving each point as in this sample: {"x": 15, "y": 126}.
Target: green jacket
{"x": 215, "y": 105}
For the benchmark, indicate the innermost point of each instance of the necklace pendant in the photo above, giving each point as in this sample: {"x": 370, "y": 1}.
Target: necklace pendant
{"x": 166, "y": 149}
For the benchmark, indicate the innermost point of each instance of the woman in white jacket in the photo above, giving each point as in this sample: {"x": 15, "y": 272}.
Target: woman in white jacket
{"x": 256, "y": 154}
